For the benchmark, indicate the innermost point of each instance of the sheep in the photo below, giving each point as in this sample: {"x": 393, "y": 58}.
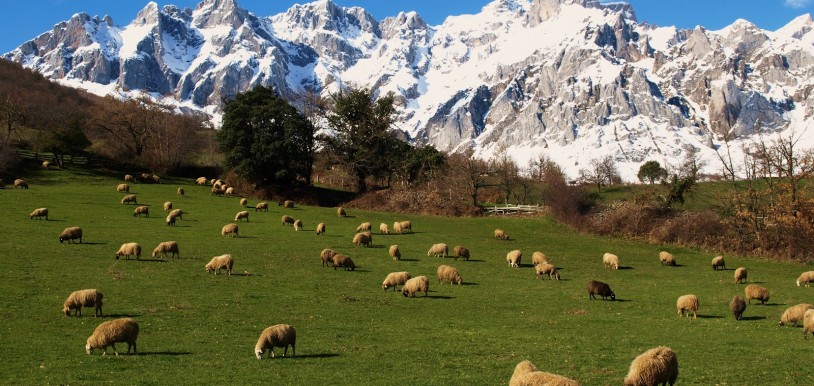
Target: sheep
{"x": 397, "y": 227}
{"x": 71, "y": 234}
{"x": 177, "y": 213}
{"x": 321, "y": 228}
{"x": 364, "y": 227}
{"x": 165, "y": 247}
{"x": 168, "y": 206}
{"x": 438, "y": 250}
{"x": 180, "y": 191}
{"x": 43, "y": 212}
{"x": 216, "y": 191}
{"x": 501, "y": 234}
{"x": 288, "y": 204}
{"x": 83, "y": 298}
{"x": 718, "y": 262}
{"x": 327, "y": 256}
{"x": 416, "y": 284}
{"x": 450, "y": 274}
{"x": 526, "y": 374}
{"x": 687, "y": 303}
{"x": 286, "y": 220}
{"x": 129, "y": 249}
{"x": 805, "y": 277}
{"x": 460, "y": 251}
{"x": 513, "y": 258}
{"x": 141, "y": 210}
{"x": 46, "y": 164}
{"x": 129, "y": 178}
{"x": 808, "y": 323}
{"x": 156, "y": 179}
{"x": 220, "y": 262}
{"x": 394, "y": 252}
{"x": 340, "y": 260}
{"x": 547, "y": 269}
{"x": 601, "y": 289}
{"x": 230, "y": 191}
{"x": 610, "y": 260}
{"x": 538, "y": 258}
{"x": 383, "y": 229}
{"x": 754, "y": 291}
{"x": 402, "y": 226}
{"x": 262, "y": 206}
{"x": 667, "y": 258}
{"x": 279, "y": 335}
{"x": 241, "y": 215}
{"x": 365, "y": 239}
{"x": 244, "y": 202}
{"x": 111, "y": 332}
{"x": 737, "y": 306}
{"x": 394, "y": 279}
{"x": 229, "y": 229}
{"x": 653, "y": 367}
{"x": 201, "y": 181}
{"x": 170, "y": 220}
{"x": 129, "y": 198}
{"x": 341, "y": 212}
{"x": 20, "y": 183}
{"x": 795, "y": 314}
{"x": 297, "y": 225}
{"x": 123, "y": 188}
{"x": 740, "y": 275}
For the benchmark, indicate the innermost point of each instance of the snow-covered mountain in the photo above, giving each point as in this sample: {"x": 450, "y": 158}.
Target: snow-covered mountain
{"x": 574, "y": 79}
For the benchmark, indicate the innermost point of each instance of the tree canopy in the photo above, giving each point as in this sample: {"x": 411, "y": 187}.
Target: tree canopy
{"x": 651, "y": 171}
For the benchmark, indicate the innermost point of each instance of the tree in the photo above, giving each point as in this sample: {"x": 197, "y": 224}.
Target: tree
{"x": 601, "y": 172}
{"x": 66, "y": 140}
{"x": 265, "y": 139}
{"x": 651, "y": 171}
{"x": 472, "y": 174}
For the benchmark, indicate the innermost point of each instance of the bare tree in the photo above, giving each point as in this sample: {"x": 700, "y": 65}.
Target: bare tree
{"x": 471, "y": 174}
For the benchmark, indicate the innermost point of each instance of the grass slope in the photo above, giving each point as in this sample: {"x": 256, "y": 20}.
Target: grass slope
{"x": 201, "y": 329}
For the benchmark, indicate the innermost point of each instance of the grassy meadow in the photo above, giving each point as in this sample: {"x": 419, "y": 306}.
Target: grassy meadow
{"x": 198, "y": 328}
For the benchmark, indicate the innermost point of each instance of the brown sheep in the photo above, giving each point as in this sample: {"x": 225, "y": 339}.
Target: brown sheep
{"x": 501, "y": 234}
{"x": 601, "y": 289}
{"x": 460, "y": 251}
{"x": 737, "y": 306}
{"x": 363, "y": 239}
{"x": 754, "y": 291}
{"x": 449, "y": 274}
{"x": 526, "y": 374}
{"x": 327, "y": 256}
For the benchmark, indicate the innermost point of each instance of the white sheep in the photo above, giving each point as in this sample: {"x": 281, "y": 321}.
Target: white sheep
{"x": 170, "y": 220}
{"x": 229, "y": 229}
{"x": 241, "y": 215}
{"x": 262, "y": 206}
{"x": 610, "y": 260}
{"x": 501, "y": 234}
{"x": 327, "y": 256}
{"x": 687, "y": 303}
{"x": 538, "y": 258}
{"x": 111, "y": 332}
{"x": 394, "y": 252}
{"x": 230, "y": 191}
{"x": 808, "y": 323}
{"x": 130, "y": 198}
{"x": 168, "y": 206}
{"x": 43, "y": 212}
{"x": 547, "y": 269}
{"x": 526, "y": 374}
{"x": 201, "y": 181}
{"x": 220, "y": 262}
{"x": 244, "y": 202}
{"x": 287, "y": 220}
{"x": 653, "y": 367}
{"x": 447, "y": 273}
{"x": 460, "y": 251}
{"x": 795, "y": 314}
{"x": 363, "y": 239}
{"x": 740, "y": 275}
{"x": 438, "y": 250}
{"x": 402, "y": 226}
{"x": 341, "y": 212}
{"x": 754, "y": 291}
{"x": 513, "y": 258}
{"x": 341, "y": 261}
{"x": 180, "y": 191}
{"x": 123, "y": 188}
{"x": 141, "y": 210}
{"x": 288, "y": 204}
{"x": 71, "y": 234}
{"x": 129, "y": 249}
{"x": 177, "y": 213}
{"x": 129, "y": 178}
{"x": 321, "y": 228}
{"x": 166, "y": 247}
{"x": 805, "y": 277}
{"x": 279, "y": 335}
{"x": 20, "y": 183}
{"x": 46, "y": 164}
{"x": 364, "y": 227}
{"x": 83, "y": 298}
{"x": 297, "y": 225}
{"x": 718, "y": 263}
{"x": 416, "y": 284}
{"x": 383, "y": 229}
{"x": 394, "y": 279}
{"x": 667, "y": 258}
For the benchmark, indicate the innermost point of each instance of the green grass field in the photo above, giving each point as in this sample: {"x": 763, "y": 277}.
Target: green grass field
{"x": 197, "y": 328}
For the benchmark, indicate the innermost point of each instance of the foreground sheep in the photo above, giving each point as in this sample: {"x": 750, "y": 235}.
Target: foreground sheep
{"x": 129, "y": 249}
{"x": 166, "y": 247}
{"x": 262, "y": 206}
{"x": 43, "y": 212}
{"x": 805, "y": 277}
{"x": 287, "y": 220}
{"x": 416, "y": 284}
{"x": 740, "y": 275}
{"x": 130, "y": 198}
{"x": 361, "y": 239}
{"x": 141, "y": 210}
{"x": 718, "y": 263}
{"x": 610, "y": 260}
{"x": 547, "y": 269}
{"x": 795, "y": 314}
{"x": 513, "y": 258}
{"x": 229, "y": 230}
{"x": 526, "y": 374}
{"x": 279, "y": 335}
{"x": 394, "y": 279}
{"x": 394, "y": 252}
{"x": 754, "y": 291}
{"x": 20, "y": 183}
{"x": 737, "y": 306}
{"x": 220, "y": 262}
{"x": 653, "y": 367}
{"x": 123, "y": 188}
{"x": 111, "y": 332}
{"x": 168, "y": 206}
{"x": 83, "y": 298}
{"x": 438, "y": 250}
{"x": 340, "y": 260}
{"x": 808, "y": 323}
{"x": 297, "y": 225}
{"x": 538, "y": 258}
{"x": 364, "y": 227}
{"x": 501, "y": 234}
{"x": 321, "y": 228}
{"x": 460, "y": 251}
{"x": 341, "y": 212}
{"x": 71, "y": 234}
{"x": 687, "y": 303}
{"x": 241, "y": 215}
{"x": 449, "y": 274}
{"x": 601, "y": 289}
{"x": 383, "y": 229}
{"x": 327, "y": 256}
{"x": 667, "y": 258}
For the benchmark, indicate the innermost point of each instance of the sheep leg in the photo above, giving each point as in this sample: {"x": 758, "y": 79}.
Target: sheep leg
{"x": 114, "y": 348}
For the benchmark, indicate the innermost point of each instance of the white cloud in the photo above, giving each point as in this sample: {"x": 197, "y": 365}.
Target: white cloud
{"x": 797, "y": 3}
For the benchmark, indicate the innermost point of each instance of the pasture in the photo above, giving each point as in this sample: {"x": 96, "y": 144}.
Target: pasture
{"x": 199, "y": 328}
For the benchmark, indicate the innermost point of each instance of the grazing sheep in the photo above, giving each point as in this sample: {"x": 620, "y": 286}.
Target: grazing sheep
{"x": 156, "y": 179}
{"x": 129, "y": 178}
{"x": 513, "y": 258}
{"x": 547, "y": 269}
{"x": 321, "y": 228}
{"x": 170, "y": 220}
{"x": 416, "y": 284}
{"x": 168, "y": 206}
{"x": 178, "y": 213}
{"x": 538, "y": 258}
{"x": 667, "y": 258}
{"x": 740, "y": 275}
{"x": 501, "y": 234}
{"x": 220, "y": 262}
{"x": 46, "y": 164}
{"x": 394, "y": 252}
{"x": 808, "y": 323}
{"x": 201, "y": 181}
{"x": 129, "y": 249}
{"x": 754, "y": 291}
{"x": 438, "y": 250}
{"x": 449, "y": 274}
{"x": 180, "y": 191}
{"x": 229, "y": 229}
{"x": 279, "y": 335}
{"x": 166, "y": 247}
{"x": 601, "y": 289}
{"x": 653, "y": 367}
{"x": 20, "y": 183}
{"x": 460, "y": 251}
{"x": 341, "y": 212}
{"x": 241, "y": 215}
{"x": 129, "y": 198}
{"x": 340, "y": 260}
{"x": 383, "y": 229}
{"x": 141, "y": 210}
{"x": 718, "y": 263}
{"x": 397, "y": 227}
{"x": 43, "y": 212}
{"x": 123, "y": 188}
{"x": 217, "y": 191}
{"x": 111, "y": 332}
{"x": 402, "y": 226}
{"x": 288, "y": 204}
{"x": 244, "y": 202}
{"x": 394, "y": 279}
{"x": 364, "y": 227}
{"x": 71, "y": 234}
{"x": 795, "y": 314}
{"x": 365, "y": 239}
{"x": 287, "y": 220}
{"x": 327, "y": 256}
{"x": 297, "y": 225}
{"x": 610, "y": 260}
{"x": 737, "y": 306}
{"x": 230, "y": 191}
{"x": 83, "y": 298}
{"x": 526, "y": 374}
{"x": 687, "y": 303}
{"x": 805, "y": 277}
{"x": 262, "y": 206}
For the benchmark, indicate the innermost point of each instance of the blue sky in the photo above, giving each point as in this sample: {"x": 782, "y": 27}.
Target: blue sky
{"x": 26, "y": 19}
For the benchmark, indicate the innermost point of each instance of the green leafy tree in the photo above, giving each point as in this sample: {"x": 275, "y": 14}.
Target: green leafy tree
{"x": 265, "y": 139}
{"x": 651, "y": 171}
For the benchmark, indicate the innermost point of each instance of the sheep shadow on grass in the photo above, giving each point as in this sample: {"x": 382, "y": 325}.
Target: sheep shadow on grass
{"x": 150, "y": 260}
{"x": 443, "y": 297}
{"x": 310, "y": 356}
{"x": 116, "y": 316}
{"x": 747, "y": 318}
{"x": 621, "y": 268}
{"x": 165, "y": 353}
{"x": 710, "y": 316}
{"x": 402, "y": 259}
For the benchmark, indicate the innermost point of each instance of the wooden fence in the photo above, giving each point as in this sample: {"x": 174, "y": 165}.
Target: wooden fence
{"x": 509, "y": 209}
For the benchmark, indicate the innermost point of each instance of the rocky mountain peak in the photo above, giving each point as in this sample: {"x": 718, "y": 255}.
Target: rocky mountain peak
{"x": 211, "y": 13}
{"x": 404, "y": 21}
{"x": 148, "y": 15}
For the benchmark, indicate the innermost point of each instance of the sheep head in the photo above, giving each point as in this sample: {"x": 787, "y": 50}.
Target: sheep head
{"x": 612, "y": 296}
{"x": 258, "y": 353}
{"x": 67, "y": 311}
{"x": 88, "y": 348}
